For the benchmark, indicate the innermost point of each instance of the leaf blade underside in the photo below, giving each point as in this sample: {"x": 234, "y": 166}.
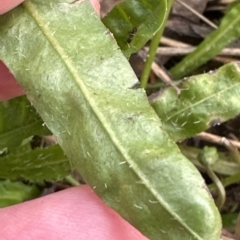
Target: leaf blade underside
{"x": 108, "y": 130}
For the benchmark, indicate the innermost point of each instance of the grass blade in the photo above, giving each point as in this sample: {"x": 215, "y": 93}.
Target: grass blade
{"x": 227, "y": 32}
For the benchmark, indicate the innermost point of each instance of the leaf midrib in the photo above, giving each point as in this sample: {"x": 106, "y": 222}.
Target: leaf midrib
{"x": 202, "y": 101}
{"x": 71, "y": 68}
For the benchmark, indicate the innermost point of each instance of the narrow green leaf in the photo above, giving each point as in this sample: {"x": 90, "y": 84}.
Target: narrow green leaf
{"x": 134, "y": 22}
{"x": 205, "y": 100}
{"x": 16, "y": 192}
{"x": 18, "y": 120}
{"x": 227, "y": 32}
{"x": 37, "y": 165}
{"x": 81, "y": 85}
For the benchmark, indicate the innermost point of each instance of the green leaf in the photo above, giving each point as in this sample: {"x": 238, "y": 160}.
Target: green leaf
{"x": 36, "y": 165}
{"x": 205, "y": 100}
{"x": 16, "y": 192}
{"x": 133, "y": 22}
{"x": 18, "y": 120}
{"x": 80, "y": 84}
{"x": 227, "y": 32}
{"x": 229, "y": 220}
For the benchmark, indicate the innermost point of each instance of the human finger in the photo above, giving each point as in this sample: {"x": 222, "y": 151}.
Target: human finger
{"x": 8, "y": 5}
{"x": 9, "y": 87}
{"x": 76, "y": 213}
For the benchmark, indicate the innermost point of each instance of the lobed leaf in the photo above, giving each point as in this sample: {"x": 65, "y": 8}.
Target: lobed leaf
{"x": 133, "y": 23}
{"x": 227, "y": 32}
{"x": 80, "y": 83}
{"x": 18, "y": 120}
{"x": 205, "y": 100}
{"x": 16, "y": 192}
{"x": 36, "y": 165}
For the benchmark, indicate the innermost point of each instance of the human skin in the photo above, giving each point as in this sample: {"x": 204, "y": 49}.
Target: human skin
{"x": 75, "y": 213}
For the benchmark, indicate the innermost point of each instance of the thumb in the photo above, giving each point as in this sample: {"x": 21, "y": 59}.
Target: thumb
{"x": 75, "y": 213}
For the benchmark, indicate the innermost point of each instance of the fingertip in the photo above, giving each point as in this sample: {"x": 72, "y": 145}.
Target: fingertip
{"x": 9, "y": 88}
{"x": 6, "y": 6}
{"x": 96, "y": 6}
{"x": 76, "y": 213}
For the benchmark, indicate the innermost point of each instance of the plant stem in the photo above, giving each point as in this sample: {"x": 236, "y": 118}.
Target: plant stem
{"x": 226, "y": 181}
{"x": 219, "y": 187}
{"x": 208, "y": 156}
{"x": 153, "y": 48}
{"x": 72, "y": 180}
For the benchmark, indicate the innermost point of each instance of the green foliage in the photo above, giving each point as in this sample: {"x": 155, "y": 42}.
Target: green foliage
{"x": 205, "y": 100}
{"x": 225, "y": 165}
{"x": 153, "y": 48}
{"x": 35, "y": 165}
{"x": 107, "y": 129}
{"x": 133, "y": 22}
{"x": 229, "y": 220}
{"x": 18, "y": 120}
{"x": 16, "y": 192}
{"x": 208, "y": 156}
{"x": 227, "y": 32}
{"x": 111, "y": 135}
